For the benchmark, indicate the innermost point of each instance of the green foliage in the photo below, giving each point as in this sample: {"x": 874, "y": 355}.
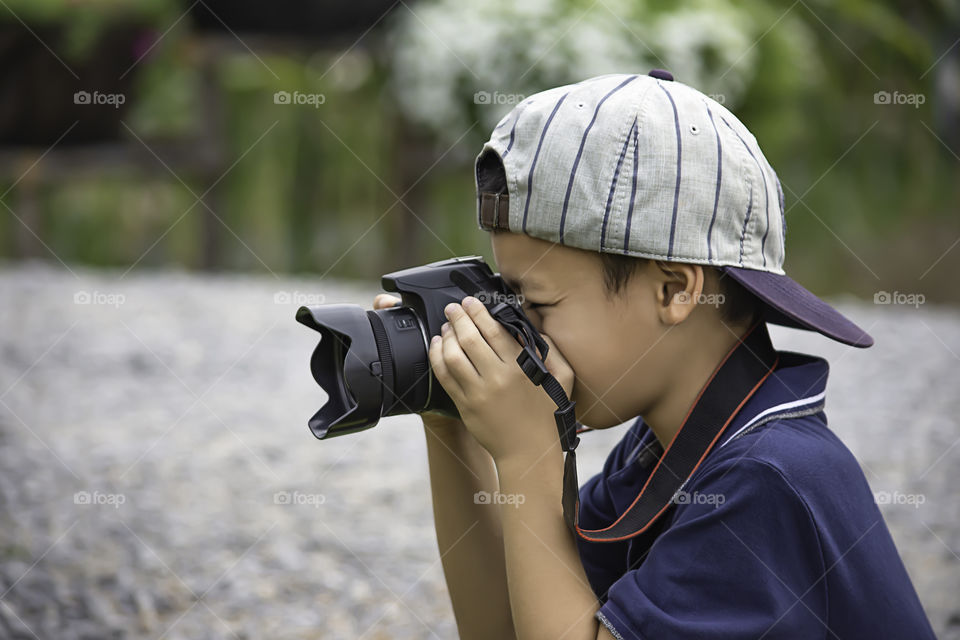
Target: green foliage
{"x": 85, "y": 20}
{"x": 871, "y": 188}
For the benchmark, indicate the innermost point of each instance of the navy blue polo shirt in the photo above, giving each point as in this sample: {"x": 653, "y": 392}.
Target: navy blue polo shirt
{"x": 776, "y": 534}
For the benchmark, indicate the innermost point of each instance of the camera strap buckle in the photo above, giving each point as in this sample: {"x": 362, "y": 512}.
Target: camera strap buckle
{"x": 532, "y": 366}
{"x": 567, "y": 426}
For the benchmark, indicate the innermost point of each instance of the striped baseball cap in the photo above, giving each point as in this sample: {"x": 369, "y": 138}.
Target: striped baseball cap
{"x": 644, "y": 166}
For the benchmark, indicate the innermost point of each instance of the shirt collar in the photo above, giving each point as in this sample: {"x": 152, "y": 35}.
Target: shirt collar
{"x": 796, "y": 387}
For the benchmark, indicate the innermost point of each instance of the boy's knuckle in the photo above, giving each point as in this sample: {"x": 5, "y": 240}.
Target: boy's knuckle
{"x": 470, "y": 341}
{"x": 500, "y": 383}
{"x": 490, "y": 326}
{"x": 482, "y": 397}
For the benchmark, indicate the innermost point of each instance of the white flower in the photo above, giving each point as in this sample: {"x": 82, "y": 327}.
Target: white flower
{"x": 443, "y": 52}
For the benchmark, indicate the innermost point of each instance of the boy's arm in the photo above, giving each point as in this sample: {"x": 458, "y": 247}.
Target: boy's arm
{"x": 549, "y": 592}
{"x": 539, "y": 560}
{"x": 514, "y": 421}
{"x": 469, "y": 532}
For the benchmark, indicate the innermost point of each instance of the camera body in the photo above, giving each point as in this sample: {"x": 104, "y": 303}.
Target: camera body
{"x": 375, "y": 363}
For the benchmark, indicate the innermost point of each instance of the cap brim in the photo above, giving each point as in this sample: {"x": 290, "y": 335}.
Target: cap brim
{"x": 791, "y": 305}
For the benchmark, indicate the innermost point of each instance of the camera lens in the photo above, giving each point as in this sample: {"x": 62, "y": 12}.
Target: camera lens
{"x": 370, "y": 363}
{"x": 402, "y": 348}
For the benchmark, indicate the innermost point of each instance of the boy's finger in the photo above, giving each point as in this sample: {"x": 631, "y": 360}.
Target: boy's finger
{"x": 458, "y": 363}
{"x": 385, "y": 301}
{"x": 471, "y": 341}
{"x": 502, "y": 343}
{"x": 435, "y": 353}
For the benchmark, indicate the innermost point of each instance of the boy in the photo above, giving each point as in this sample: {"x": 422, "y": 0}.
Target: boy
{"x": 644, "y": 229}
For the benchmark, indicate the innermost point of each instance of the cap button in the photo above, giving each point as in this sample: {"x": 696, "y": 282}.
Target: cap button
{"x": 662, "y": 74}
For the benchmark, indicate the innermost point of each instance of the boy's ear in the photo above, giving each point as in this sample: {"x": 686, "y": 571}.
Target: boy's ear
{"x": 679, "y": 287}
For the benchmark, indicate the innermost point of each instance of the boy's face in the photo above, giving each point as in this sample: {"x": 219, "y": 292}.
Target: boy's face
{"x": 612, "y": 342}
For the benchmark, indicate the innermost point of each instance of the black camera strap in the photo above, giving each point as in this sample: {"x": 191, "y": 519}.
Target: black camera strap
{"x": 733, "y": 382}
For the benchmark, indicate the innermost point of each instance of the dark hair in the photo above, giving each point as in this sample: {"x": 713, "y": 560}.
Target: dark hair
{"x": 739, "y": 305}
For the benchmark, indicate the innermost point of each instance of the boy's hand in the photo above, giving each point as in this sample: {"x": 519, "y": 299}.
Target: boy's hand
{"x": 475, "y": 360}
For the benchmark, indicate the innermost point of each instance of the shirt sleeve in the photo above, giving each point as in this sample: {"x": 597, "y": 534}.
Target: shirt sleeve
{"x": 604, "y": 563}
{"x": 741, "y": 559}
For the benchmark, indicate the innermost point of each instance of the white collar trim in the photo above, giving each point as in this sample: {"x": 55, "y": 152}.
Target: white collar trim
{"x": 786, "y": 406}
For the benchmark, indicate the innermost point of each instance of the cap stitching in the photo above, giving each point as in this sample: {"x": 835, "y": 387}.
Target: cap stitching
{"x": 533, "y": 163}
{"x": 766, "y": 193}
{"x": 623, "y": 223}
{"x": 519, "y": 109}
{"x": 676, "y": 188}
{"x": 613, "y": 184}
{"x": 633, "y": 187}
{"x": 783, "y": 220}
{"x": 716, "y": 197}
{"x": 583, "y": 142}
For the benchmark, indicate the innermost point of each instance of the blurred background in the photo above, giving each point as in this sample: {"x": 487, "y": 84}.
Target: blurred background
{"x": 177, "y": 177}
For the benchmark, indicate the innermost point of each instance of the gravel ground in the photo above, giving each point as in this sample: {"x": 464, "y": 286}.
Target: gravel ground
{"x": 157, "y": 478}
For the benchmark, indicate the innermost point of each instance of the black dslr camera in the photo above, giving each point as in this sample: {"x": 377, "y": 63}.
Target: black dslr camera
{"x": 374, "y": 363}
